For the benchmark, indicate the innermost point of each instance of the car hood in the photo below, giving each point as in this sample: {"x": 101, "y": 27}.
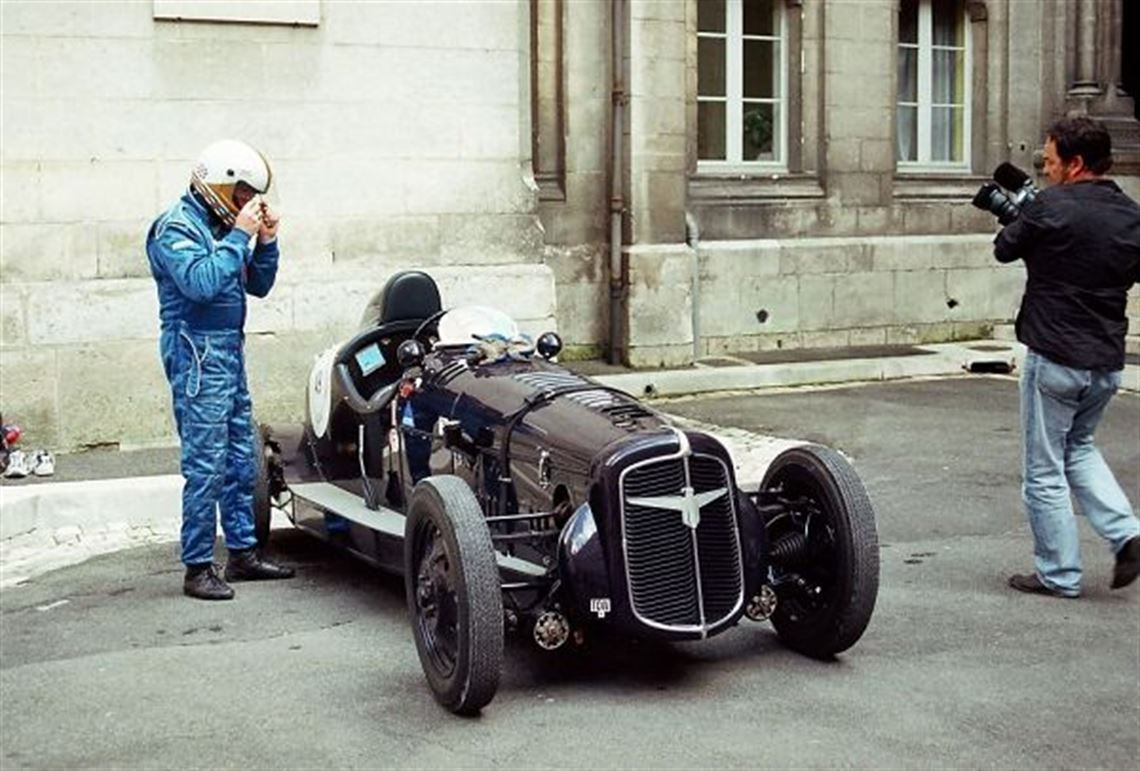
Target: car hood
{"x": 555, "y": 408}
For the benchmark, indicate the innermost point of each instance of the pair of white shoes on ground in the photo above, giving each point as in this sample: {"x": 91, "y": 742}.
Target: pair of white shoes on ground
{"x": 40, "y": 463}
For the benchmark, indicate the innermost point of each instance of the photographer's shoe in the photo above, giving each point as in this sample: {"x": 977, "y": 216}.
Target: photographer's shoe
{"x": 248, "y": 565}
{"x": 202, "y": 583}
{"x": 1127, "y": 563}
{"x": 1031, "y": 584}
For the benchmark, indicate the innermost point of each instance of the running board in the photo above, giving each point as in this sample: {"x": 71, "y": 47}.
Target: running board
{"x": 335, "y": 500}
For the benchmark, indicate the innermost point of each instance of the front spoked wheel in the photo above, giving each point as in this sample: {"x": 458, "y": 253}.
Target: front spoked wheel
{"x": 453, "y": 593}
{"x": 823, "y": 549}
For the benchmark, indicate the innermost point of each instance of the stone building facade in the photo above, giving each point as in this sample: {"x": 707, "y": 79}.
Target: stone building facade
{"x": 838, "y": 232}
{"x": 660, "y": 179}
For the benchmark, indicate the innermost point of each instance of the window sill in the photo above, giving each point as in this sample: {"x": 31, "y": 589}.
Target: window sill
{"x": 733, "y": 188}
{"x": 927, "y": 186}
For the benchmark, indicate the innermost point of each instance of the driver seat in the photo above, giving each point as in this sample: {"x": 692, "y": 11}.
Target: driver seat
{"x": 391, "y": 317}
{"x": 406, "y": 299}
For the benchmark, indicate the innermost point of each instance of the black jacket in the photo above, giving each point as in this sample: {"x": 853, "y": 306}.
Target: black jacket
{"x": 1081, "y": 247}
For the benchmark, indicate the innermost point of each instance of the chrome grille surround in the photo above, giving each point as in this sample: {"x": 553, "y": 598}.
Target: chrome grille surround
{"x": 681, "y": 576}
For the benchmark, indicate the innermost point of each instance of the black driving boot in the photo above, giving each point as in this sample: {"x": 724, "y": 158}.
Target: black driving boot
{"x": 203, "y": 583}
{"x": 249, "y": 565}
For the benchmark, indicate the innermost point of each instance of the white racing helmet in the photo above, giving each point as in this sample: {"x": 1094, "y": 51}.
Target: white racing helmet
{"x": 220, "y": 168}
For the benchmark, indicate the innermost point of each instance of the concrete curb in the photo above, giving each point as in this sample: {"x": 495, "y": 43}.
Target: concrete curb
{"x": 51, "y": 525}
{"x": 942, "y": 359}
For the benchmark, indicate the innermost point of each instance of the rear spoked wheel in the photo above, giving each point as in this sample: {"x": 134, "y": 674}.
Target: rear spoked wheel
{"x": 824, "y": 551}
{"x": 262, "y": 505}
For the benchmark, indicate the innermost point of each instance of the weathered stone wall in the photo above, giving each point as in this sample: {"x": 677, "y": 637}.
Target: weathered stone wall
{"x": 576, "y": 217}
{"x": 823, "y": 292}
{"x": 399, "y": 137}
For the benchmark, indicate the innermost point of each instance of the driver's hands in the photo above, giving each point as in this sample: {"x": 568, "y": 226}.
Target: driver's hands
{"x": 248, "y": 220}
{"x": 269, "y": 223}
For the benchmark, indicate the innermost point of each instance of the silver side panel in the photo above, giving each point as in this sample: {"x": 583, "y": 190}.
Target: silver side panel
{"x": 335, "y": 500}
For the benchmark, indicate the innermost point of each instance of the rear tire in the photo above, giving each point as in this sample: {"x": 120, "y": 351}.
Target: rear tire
{"x": 827, "y": 591}
{"x": 262, "y": 505}
{"x": 454, "y": 596}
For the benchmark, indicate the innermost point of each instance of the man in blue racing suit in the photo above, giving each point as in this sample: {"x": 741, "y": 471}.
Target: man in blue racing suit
{"x": 203, "y": 262}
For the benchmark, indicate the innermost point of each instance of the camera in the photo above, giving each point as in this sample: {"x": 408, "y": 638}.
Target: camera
{"x": 1011, "y": 191}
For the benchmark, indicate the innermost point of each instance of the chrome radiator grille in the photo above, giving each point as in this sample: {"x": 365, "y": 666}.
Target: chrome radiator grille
{"x": 680, "y": 576}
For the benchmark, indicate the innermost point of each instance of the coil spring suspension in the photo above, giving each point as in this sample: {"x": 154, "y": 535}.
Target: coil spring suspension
{"x": 789, "y": 549}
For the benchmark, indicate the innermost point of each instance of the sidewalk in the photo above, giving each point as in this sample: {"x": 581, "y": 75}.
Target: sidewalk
{"x": 102, "y": 501}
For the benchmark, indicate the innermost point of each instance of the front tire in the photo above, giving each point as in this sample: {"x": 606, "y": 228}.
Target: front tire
{"x": 824, "y": 551}
{"x": 453, "y": 593}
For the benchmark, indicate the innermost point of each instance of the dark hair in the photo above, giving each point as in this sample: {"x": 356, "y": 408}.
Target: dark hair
{"x": 1086, "y": 137}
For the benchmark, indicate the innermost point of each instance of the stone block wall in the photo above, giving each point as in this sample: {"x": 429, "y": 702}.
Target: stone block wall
{"x": 824, "y": 292}
{"x": 399, "y": 137}
{"x": 80, "y": 359}
{"x": 765, "y": 294}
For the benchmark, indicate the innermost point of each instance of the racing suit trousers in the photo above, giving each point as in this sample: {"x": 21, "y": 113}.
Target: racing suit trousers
{"x": 212, "y": 409}
{"x": 1060, "y": 409}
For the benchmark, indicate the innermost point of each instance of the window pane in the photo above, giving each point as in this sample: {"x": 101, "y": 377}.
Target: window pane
{"x": 710, "y": 131}
{"x": 946, "y": 134}
{"x": 908, "y": 133}
{"x": 759, "y": 17}
{"x": 710, "y": 16}
{"x": 947, "y": 81}
{"x": 710, "y": 67}
{"x": 908, "y": 21}
{"x": 759, "y": 132}
{"x": 948, "y": 27}
{"x": 908, "y": 74}
{"x": 760, "y": 72}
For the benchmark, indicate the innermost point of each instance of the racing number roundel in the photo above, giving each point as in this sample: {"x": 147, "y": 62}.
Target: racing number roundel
{"x": 320, "y": 392}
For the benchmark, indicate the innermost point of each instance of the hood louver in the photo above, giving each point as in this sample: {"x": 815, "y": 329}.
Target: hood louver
{"x": 622, "y": 410}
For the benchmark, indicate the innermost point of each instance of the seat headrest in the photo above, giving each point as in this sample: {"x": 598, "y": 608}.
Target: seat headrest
{"x": 410, "y": 295}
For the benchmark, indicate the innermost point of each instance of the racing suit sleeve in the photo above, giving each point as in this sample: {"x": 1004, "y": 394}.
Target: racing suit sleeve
{"x": 262, "y": 269}
{"x": 199, "y": 274}
{"x": 1017, "y": 240}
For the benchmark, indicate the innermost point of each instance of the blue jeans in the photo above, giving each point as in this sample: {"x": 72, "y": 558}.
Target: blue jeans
{"x": 1060, "y": 409}
{"x": 213, "y": 412}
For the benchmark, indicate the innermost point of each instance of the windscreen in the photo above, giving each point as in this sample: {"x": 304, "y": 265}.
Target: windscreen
{"x": 468, "y": 324}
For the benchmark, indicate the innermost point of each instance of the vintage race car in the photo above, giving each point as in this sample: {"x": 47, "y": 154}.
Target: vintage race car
{"x": 514, "y": 494}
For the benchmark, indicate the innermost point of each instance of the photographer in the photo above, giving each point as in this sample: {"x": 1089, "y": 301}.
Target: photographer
{"x": 1080, "y": 241}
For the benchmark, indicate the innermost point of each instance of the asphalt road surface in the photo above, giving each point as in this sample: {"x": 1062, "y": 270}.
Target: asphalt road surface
{"x": 106, "y": 665}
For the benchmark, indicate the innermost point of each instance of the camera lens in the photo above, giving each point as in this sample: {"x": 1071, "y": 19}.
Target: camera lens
{"x": 990, "y": 197}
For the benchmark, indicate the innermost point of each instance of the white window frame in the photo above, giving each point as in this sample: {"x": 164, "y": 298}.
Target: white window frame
{"x": 925, "y": 89}
{"x": 734, "y": 38}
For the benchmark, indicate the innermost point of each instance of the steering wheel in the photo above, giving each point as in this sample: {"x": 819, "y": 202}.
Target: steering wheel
{"x": 358, "y": 403}
{"x": 428, "y": 324}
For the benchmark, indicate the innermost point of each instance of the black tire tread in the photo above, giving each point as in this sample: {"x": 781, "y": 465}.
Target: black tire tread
{"x": 479, "y": 572}
{"x": 262, "y": 505}
{"x": 843, "y": 628}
